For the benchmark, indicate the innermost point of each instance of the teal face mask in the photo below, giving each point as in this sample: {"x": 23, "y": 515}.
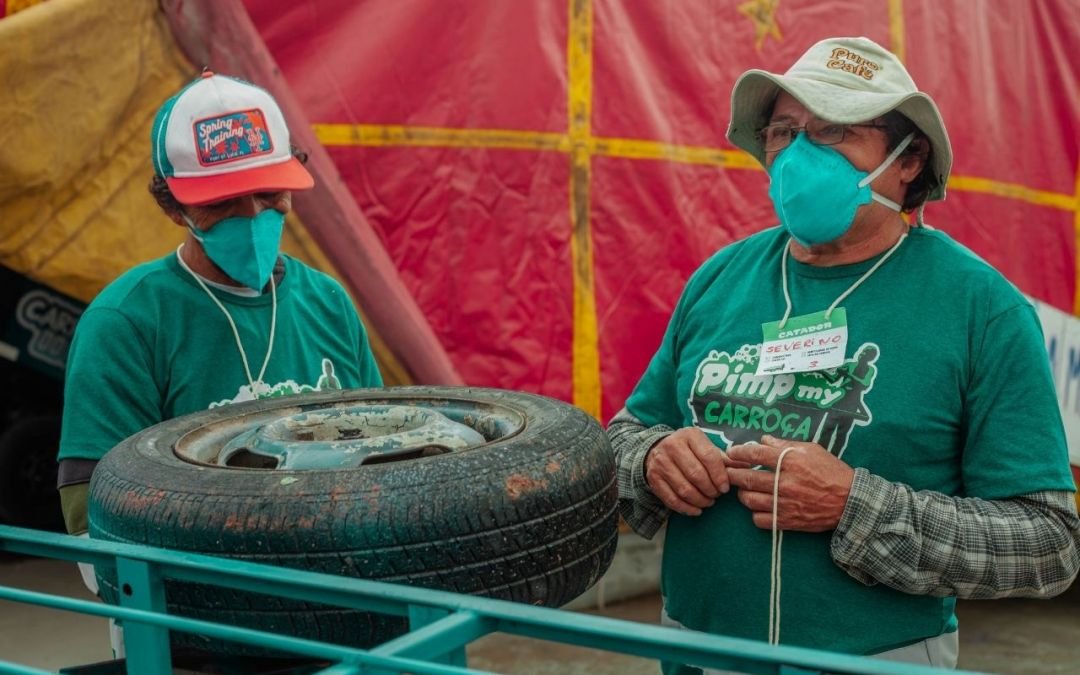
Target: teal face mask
{"x": 244, "y": 248}
{"x": 816, "y": 191}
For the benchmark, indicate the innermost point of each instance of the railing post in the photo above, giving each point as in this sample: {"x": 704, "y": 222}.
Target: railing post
{"x": 436, "y": 635}
{"x": 146, "y": 647}
{"x": 420, "y": 616}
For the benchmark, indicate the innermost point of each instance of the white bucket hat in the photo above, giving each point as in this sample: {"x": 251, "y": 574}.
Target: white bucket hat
{"x": 843, "y": 80}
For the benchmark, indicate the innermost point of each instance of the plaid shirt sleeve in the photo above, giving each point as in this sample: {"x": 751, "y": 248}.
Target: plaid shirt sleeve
{"x": 928, "y": 543}
{"x": 632, "y": 440}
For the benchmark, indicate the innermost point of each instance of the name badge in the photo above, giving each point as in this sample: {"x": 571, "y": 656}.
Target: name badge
{"x": 805, "y": 343}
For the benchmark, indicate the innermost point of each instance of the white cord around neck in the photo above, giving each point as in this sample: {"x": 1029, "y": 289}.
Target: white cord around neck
{"x": 232, "y": 324}
{"x": 849, "y": 291}
{"x": 774, "y": 563}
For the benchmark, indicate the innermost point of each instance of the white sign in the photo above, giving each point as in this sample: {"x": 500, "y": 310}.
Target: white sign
{"x": 1062, "y": 333}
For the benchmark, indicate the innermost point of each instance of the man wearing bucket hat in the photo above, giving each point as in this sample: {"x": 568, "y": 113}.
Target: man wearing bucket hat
{"x": 225, "y": 317}
{"x": 864, "y": 384}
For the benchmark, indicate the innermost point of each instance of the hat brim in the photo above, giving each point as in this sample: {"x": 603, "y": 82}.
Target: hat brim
{"x": 199, "y": 190}
{"x": 755, "y": 91}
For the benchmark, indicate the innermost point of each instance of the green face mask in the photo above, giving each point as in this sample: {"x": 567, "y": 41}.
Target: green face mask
{"x": 244, "y": 248}
{"x": 816, "y": 191}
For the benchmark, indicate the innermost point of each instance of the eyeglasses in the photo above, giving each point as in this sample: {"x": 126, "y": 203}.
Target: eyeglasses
{"x": 780, "y": 135}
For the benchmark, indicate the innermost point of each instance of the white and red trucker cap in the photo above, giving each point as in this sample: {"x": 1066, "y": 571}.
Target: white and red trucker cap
{"x": 221, "y": 137}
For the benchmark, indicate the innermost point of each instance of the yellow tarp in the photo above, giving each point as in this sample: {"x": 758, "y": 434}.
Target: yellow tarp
{"x": 84, "y": 79}
{"x": 82, "y": 82}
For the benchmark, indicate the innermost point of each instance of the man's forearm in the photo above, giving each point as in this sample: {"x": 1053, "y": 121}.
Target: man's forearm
{"x": 632, "y": 440}
{"x": 928, "y": 543}
{"x": 73, "y": 482}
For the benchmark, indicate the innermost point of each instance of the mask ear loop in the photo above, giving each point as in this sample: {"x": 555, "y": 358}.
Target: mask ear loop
{"x": 191, "y": 226}
{"x": 888, "y": 160}
{"x": 897, "y": 151}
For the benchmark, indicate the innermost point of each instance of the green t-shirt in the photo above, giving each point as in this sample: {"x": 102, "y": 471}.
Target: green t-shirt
{"x": 153, "y": 346}
{"x": 946, "y": 387}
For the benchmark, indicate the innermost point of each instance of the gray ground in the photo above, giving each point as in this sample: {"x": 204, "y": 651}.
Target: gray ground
{"x": 1010, "y": 636}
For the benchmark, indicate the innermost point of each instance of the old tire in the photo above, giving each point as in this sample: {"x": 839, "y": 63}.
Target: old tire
{"x": 528, "y": 517}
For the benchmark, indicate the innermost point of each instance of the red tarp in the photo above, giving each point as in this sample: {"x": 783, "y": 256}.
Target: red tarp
{"x": 482, "y": 234}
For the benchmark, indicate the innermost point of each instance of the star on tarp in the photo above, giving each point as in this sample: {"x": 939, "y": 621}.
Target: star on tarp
{"x": 763, "y": 14}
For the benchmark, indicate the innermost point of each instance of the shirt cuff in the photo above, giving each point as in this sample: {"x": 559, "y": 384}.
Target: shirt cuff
{"x": 649, "y": 439}
{"x": 868, "y": 503}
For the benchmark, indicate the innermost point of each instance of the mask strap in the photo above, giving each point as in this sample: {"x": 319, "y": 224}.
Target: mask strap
{"x": 191, "y": 227}
{"x": 849, "y": 291}
{"x": 232, "y": 324}
{"x": 885, "y": 165}
{"x": 885, "y": 200}
{"x": 888, "y": 160}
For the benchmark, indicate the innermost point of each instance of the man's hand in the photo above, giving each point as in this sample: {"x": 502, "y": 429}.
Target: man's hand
{"x": 814, "y": 485}
{"x": 686, "y": 471}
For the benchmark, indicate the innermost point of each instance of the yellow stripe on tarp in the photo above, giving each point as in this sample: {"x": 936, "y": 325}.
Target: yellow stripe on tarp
{"x": 1076, "y": 235}
{"x": 897, "y": 37}
{"x": 586, "y": 348}
{"x": 1023, "y": 193}
{"x": 376, "y": 135}
{"x": 632, "y": 148}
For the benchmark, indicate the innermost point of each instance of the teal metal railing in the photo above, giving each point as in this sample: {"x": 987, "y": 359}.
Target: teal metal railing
{"x": 441, "y": 623}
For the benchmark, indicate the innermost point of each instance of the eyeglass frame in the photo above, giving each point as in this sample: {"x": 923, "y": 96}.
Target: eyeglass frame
{"x": 805, "y": 129}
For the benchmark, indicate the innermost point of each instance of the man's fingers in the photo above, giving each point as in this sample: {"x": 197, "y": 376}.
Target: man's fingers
{"x": 755, "y": 454}
{"x": 732, "y": 464}
{"x": 774, "y": 442}
{"x": 693, "y": 472}
{"x": 752, "y": 479}
{"x": 666, "y": 471}
{"x": 673, "y": 501}
{"x": 763, "y": 519}
{"x": 756, "y": 501}
{"x": 697, "y": 490}
{"x": 712, "y": 458}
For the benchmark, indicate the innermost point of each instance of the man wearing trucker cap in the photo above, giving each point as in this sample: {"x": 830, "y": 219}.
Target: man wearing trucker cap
{"x": 224, "y": 318}
{"x": 889, "y": 388}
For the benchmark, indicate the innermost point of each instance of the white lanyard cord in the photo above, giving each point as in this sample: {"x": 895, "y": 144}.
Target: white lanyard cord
{"x": 232, "y": 324}
{"x": 774, "y": 563}
{"x": 849, "y": 291}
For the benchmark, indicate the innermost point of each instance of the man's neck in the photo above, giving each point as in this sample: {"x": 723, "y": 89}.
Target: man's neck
{"x": 862, "y": 242}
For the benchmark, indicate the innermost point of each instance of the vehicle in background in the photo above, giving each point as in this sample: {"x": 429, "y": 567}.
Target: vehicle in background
{"x": 36, "y": 326}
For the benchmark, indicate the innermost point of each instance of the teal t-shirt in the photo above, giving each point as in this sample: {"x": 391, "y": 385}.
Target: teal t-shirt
{"x": 946, "y": 387}
{"x": 153, "y": 346}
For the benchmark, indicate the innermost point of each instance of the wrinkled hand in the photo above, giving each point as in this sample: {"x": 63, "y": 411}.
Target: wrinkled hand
{"x": 686, "y": 471}
{"x": 814, "y": 485}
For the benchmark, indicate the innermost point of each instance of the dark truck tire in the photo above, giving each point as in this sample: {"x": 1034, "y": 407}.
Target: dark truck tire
{"x": 28, "y": 495}
{"x": 529, "y": 517}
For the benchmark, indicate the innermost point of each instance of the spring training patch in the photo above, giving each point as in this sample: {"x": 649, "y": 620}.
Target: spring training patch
{"x": 230, "y": 137}
{"x": 728, "y": 400}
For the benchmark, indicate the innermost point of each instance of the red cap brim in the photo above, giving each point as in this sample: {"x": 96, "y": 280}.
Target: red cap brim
{"x": 198, "y": 190}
